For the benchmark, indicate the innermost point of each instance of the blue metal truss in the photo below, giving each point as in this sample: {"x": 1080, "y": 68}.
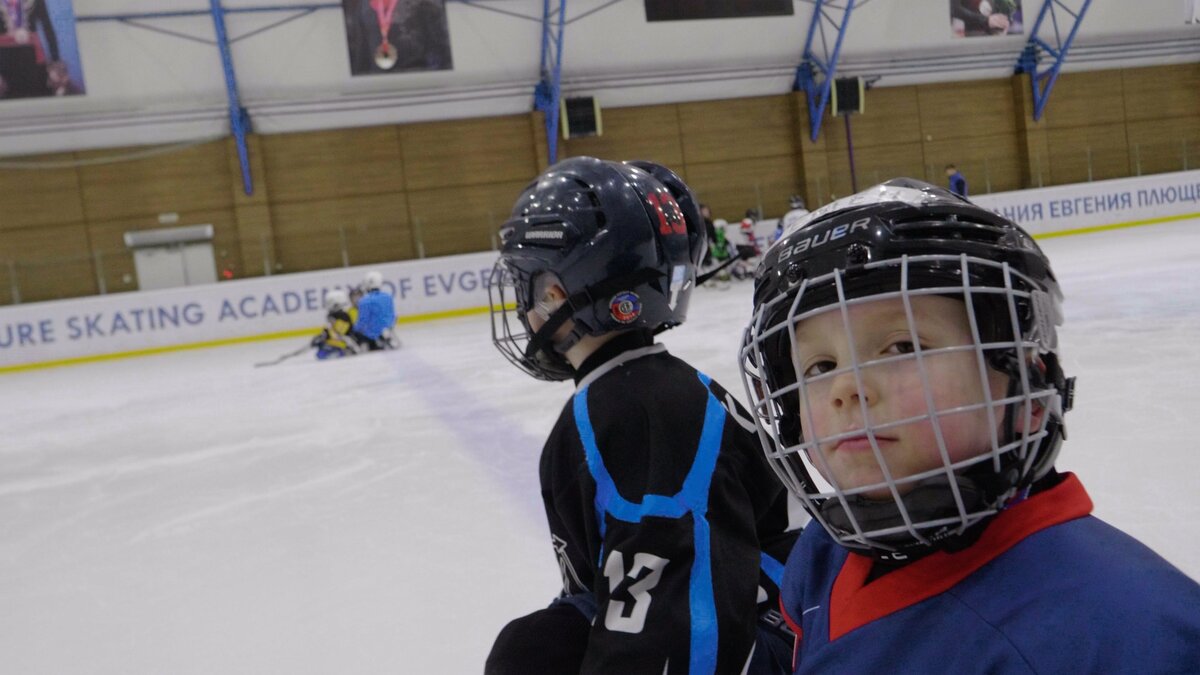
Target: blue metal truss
{"x": 814, "y": 75}
{"x": 239, "y": 119}
{"x": 1043, "y": 82}
{"x": 548, "y": 92}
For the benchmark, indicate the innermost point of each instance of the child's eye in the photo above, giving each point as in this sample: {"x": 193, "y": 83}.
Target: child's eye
{"x": 901, "y": 347}
{"x": 819, "y": 367}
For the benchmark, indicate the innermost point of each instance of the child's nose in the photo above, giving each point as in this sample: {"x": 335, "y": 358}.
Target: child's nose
{"x": 845, "y": 390}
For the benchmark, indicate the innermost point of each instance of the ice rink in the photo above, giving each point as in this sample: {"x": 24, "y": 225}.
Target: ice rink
{"x": 189, "y": 513}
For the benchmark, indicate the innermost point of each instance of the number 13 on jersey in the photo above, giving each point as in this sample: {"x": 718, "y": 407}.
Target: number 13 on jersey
{"x": 630, "y": 616}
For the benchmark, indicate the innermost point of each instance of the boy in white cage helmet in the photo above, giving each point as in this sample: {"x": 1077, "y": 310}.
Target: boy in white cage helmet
{"x": 903, "y": 365}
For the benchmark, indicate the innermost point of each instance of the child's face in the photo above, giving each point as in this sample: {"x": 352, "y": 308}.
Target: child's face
{"x": 893, "y": 391}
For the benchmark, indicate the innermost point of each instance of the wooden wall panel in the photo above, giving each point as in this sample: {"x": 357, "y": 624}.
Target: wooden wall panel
{"x": 1162, "y": 92}
{"x": 468, "y": 152}
{"x": 470, "y": 224}
{"x": 116, "y": 261}
{"x": 309, "y": 235}
{"x": 892, "y": 116}
{"x": 1084, "y": 99}
{"x": 36, "y": 198}
{"x": 731, "y": 187}
{"x": 720, "y": 131}
{"x": 964, "y": 110}
{"x": 256, "y": 241}
{"x": 1100, "y": 147}
{"x": 194, "y": 179}
{"x": 332, "y": 164}
{"x": 872, "y": 165}
{"x": 990, "y": 163}
{"x": 648, "y": 132}
{"x": 56, "y": 262}
{"x": 1160, "y": 146}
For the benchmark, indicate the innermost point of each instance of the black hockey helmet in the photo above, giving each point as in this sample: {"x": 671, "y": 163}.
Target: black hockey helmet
{"x": 624, "y": 241}
{"x": 902, "y": 239}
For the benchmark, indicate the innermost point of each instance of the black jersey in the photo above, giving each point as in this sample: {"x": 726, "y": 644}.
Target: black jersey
{"x": 661, "y": 504}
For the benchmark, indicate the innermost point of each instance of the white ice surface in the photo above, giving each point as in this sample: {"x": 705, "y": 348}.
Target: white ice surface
{"x": 188, "y": 513}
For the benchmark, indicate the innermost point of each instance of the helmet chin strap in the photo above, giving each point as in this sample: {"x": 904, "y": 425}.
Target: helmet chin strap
{"x": 929, "y": 499}
{"x": 543, "y": 340}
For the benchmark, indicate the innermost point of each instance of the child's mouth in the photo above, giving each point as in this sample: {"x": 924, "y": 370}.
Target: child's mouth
{"x": 859, "y": 443}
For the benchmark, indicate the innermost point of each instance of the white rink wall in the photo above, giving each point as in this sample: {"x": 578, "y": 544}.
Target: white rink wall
{"x": 1085, "y": 206}
{"x": 277, "y": 306}
{"x": 1065, "y": 209}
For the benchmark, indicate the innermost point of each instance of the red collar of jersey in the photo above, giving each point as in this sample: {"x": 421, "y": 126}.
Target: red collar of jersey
{"x": 853, "y": 604}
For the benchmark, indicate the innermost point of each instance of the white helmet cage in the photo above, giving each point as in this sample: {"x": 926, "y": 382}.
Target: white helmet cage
{"x": 898, "y": 241}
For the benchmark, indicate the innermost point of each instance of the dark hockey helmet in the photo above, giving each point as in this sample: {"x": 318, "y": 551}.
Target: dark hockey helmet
{"x": 623, "y": 239}
{"x": 902, "y": 239}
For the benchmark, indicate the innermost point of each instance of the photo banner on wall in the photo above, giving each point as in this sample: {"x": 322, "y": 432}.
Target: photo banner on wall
{"x": 681, "y": 10}
{"x": 981, "y": 18}
{"x": 396, "y": 36}
{"x": 39, "y": 55}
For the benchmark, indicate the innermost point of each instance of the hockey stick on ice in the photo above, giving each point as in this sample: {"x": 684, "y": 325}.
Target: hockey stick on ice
{"x": 285, "y": 357}
{"x": 713, "y": 272}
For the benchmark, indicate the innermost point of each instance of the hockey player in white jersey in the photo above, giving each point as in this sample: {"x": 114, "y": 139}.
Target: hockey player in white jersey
{"x": 796, "y": 213}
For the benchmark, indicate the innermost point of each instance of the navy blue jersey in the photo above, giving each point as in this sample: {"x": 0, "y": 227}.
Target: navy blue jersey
{"x": 661, "y": 504}
{"x": 1047, "y": 588}
{"x": 958, "y": 184}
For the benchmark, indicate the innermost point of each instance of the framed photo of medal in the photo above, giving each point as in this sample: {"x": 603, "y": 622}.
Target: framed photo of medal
{"x": 395, "y": 36}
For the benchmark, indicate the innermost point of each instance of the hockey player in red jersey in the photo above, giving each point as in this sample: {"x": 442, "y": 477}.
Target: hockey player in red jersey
{"x": 904, "y": 370}
{"x": 667, "y": 521}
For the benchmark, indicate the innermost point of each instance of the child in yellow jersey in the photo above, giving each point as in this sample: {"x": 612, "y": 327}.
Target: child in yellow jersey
{"x": 334, "y": 340}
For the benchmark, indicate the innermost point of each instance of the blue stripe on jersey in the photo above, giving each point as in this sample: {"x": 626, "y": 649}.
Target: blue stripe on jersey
{"x": 773, "y": 568}
{"x": 692, "y": 498}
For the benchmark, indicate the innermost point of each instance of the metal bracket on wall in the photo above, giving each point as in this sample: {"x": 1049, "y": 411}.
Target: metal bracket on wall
{"x": 1043, "y": 82}
{"x": 239, "y": 119}
{"x": 547, "y": 95}
{"x": 814, "y": 75}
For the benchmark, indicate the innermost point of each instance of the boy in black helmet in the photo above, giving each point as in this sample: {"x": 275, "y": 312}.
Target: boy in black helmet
{"x": 903, "y": 359}
{"x": 667, "y": 522}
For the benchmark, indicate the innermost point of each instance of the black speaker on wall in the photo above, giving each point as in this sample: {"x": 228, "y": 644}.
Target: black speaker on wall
{"x": 847, "y": 95}
{"x": 580, "y": 116}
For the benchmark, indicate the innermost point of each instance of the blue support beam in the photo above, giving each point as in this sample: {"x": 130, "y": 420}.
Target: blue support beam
{"x": 1043, "y": 81}
{"x": 548, "y": 92}
{"x": 815, "y": 74}
{"x": 239, "y": 120}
